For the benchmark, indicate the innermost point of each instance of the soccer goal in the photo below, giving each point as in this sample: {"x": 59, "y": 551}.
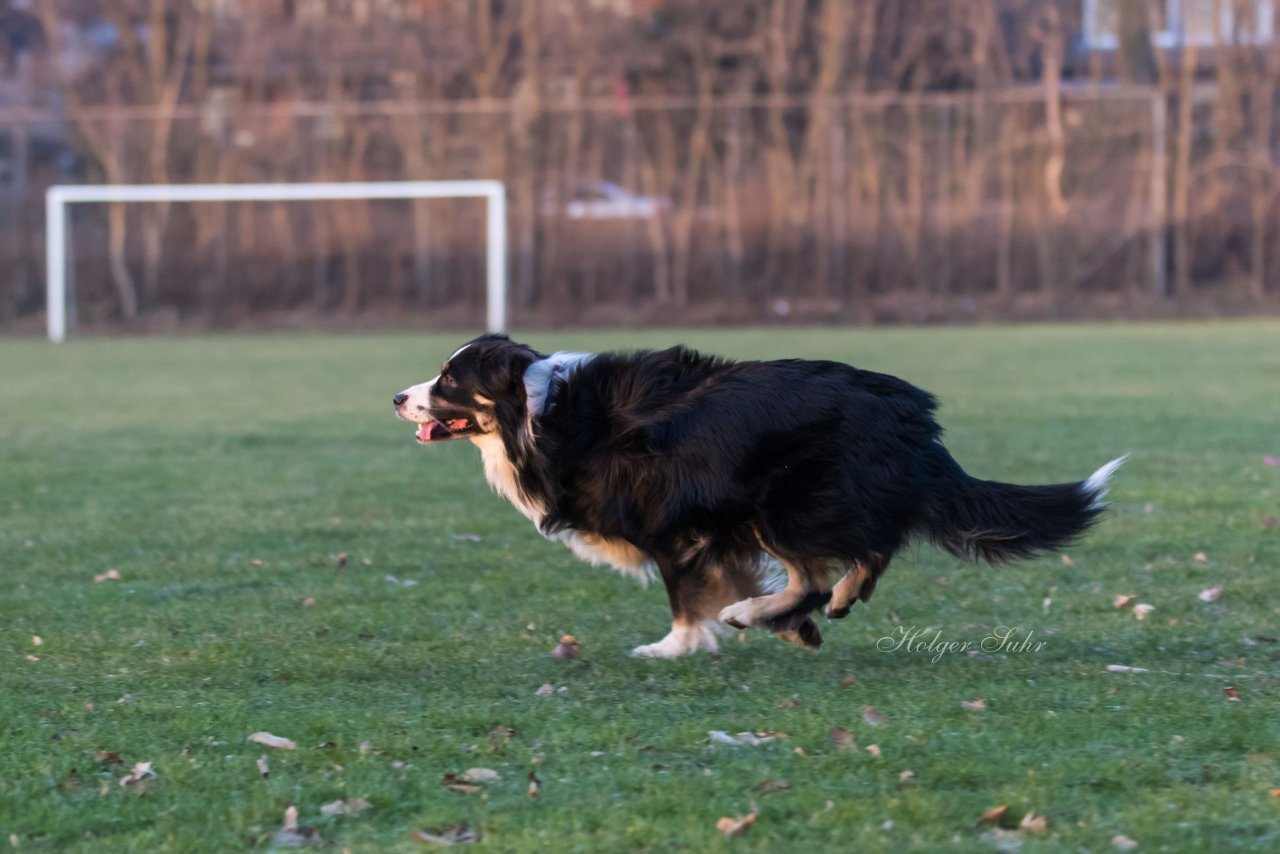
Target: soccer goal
{"x": 58, "y": 245}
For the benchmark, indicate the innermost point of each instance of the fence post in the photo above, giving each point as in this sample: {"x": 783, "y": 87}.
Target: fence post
{"x": 1159, "y": 203}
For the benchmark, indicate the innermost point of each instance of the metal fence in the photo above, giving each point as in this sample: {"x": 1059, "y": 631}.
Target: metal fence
{"x": 1003, "y": 203}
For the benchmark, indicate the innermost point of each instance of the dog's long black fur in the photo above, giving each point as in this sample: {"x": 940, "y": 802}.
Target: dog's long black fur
{"x": 707, "y": 465}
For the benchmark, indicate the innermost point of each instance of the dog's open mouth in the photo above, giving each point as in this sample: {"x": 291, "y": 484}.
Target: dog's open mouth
{"x": 438, "y": 431}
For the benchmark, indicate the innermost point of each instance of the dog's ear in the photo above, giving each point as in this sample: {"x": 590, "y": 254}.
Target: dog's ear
{"x": 511, "y": 400}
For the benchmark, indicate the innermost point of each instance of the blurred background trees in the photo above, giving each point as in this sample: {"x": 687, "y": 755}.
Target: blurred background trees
{"x": 691, "y": 160}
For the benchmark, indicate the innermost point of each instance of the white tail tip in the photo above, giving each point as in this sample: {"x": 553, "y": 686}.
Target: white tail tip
{"x": 1096, "y": 486}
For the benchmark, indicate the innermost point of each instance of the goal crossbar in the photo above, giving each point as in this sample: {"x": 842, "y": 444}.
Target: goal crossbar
{"x": 60, "y": 196}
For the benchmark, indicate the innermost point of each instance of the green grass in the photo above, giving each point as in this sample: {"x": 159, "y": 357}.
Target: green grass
{"x": 221, "y": 477}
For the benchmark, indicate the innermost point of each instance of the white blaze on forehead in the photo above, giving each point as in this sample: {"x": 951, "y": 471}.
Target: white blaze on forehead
{"x": 540, "y": 375}
{"x": 456, "y": 353}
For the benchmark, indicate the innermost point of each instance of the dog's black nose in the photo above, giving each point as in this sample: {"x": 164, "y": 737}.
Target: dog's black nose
{"x": 399, "y": 399}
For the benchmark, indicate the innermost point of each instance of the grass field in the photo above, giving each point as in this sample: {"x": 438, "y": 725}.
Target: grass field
{"x": 222, "y": 477}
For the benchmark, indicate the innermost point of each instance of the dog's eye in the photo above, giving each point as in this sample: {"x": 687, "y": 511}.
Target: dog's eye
{"x": 448, "y": 380}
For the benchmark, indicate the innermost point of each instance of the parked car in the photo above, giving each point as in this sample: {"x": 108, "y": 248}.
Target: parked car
{"x": 601, "y": 200}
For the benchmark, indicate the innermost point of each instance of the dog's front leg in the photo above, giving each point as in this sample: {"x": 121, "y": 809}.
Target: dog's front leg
{"x": 688, "y": 588}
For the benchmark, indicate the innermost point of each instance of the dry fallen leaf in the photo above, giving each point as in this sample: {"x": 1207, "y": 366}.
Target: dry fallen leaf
{"x": 480, "y": 775}
{"x": 292, "y": 836}
{"x": 108, "y": 756}
{"x": 263, "y": 768}
{"x": 454, "y": 834}
{"x": 460, "y": 788}
{"x": 141, "y": 773}
{"x": 109, "y": 575}
{"x": 734, "y": 827}
{"x": 771, "y": 785}
{"x": 1141, "y": 610}
{"x": 1121, "y": 601}
{"x": 993, "y": 815}
{"x": 1123, "y": 842}
{"x": 1003, "y": 841}
{"x": 873, "y": 717}
{"x": 567, "y": 648}
{"x": 1200, "y": 557}
{"x": 266, "y": 739}
{"x": 342, "y": 560}
{"x": 975, "y": 705}
{"x": 906, "y": 775}
{"x": 355, "y": 806}
{"x": 848, "y": 680}
{"x": 534, "y": 785}
{"x": 1067, "y": 561}
{"x": 546, "y": 690}
{"x": 1033, "y": 823}
{"x": 841, "y": 738}
{"x": 1210, "y": 595}
{"x": 309, "y": 602}
{"x": 1232, "y": 693}
{"x": 752, "y": 739}
{"x": 1275, "y": 793}
{"x": 874, "y": 750}
{"x": 36, "y": 640}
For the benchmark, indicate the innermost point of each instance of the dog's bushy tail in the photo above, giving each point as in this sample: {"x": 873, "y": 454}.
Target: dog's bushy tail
{"x": 997, "y": 522}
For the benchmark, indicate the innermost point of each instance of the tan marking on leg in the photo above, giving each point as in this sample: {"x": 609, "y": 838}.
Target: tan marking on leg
{"x": 807, "y": 635}
{"x": 848, "y": 590}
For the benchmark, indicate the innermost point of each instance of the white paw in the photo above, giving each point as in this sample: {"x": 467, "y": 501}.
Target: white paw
{"x": 681, "y": 640}
{"x": 740, "y": 615}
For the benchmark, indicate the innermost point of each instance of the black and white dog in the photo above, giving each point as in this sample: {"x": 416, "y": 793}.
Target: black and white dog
{"x": 720, "y": 476}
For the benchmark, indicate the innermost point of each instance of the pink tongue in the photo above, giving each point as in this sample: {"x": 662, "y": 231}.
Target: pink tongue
{"x": 424, "y": 431}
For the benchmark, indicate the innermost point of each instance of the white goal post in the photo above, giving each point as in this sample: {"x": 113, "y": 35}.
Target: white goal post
{"x": 60, "y": 196}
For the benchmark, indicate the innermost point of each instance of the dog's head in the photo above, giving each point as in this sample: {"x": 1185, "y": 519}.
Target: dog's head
{"x": 479, "y": 388}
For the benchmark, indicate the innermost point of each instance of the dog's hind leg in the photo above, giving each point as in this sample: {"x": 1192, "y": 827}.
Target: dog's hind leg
{"x": 807, "y": 635}
{"x": 857, "y": 585}
{"x": 786, "y": 613}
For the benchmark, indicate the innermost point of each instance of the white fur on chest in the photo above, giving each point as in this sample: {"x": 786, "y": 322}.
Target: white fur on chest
{"x": 501, "y": 475}
{"x": 592, "y": 548}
